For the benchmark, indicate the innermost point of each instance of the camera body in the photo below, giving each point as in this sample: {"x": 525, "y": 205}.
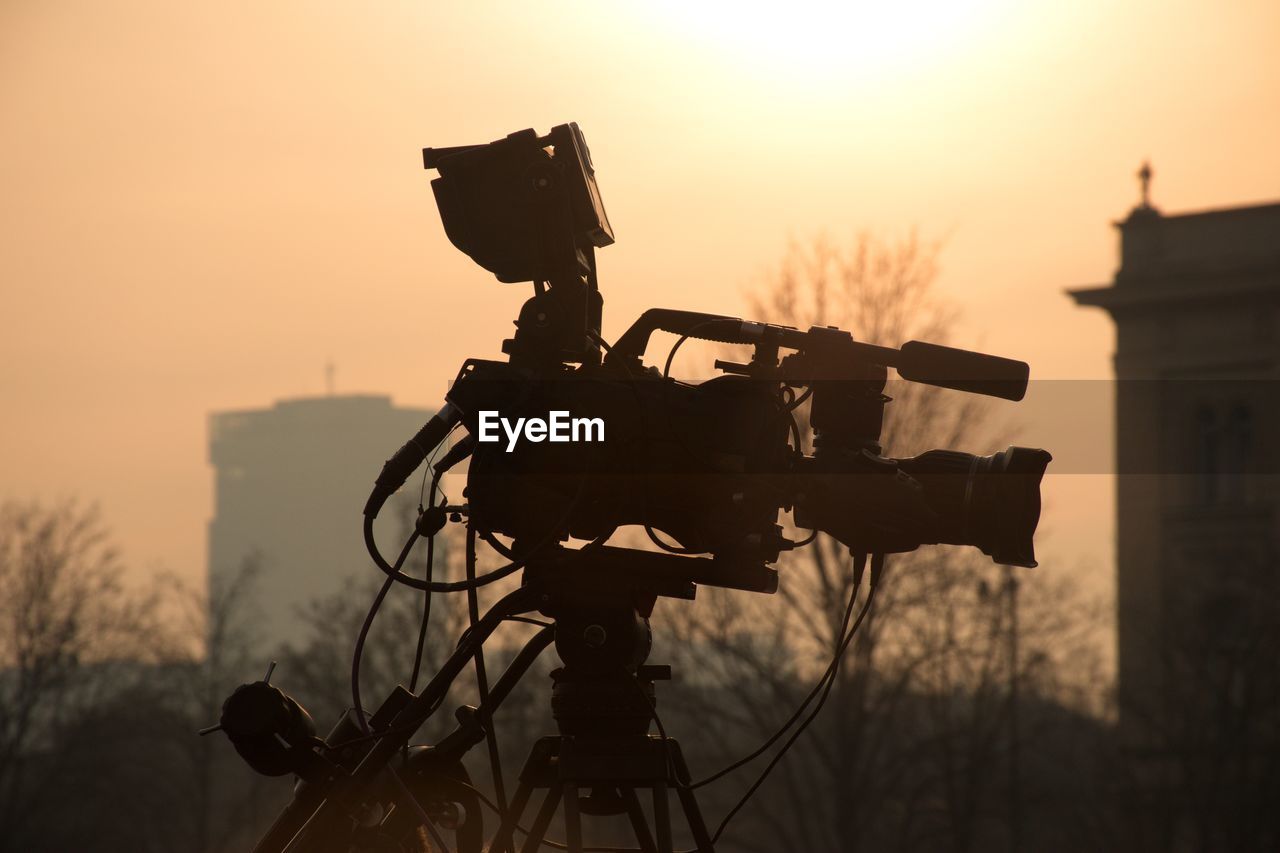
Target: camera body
{"x": 705, "y": 464}
{"x": 711, "y": 466}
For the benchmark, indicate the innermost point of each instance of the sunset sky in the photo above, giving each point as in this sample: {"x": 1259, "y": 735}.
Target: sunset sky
{"x": 202, "y": 203}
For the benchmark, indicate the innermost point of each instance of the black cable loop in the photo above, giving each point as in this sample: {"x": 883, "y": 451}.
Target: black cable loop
{"x": 800, "y": 401}
{"x": 813, "y": 534}
{"x": 673, "y": 549}
{"x": 489, "y": 577}
{"x": 358, "y": 654}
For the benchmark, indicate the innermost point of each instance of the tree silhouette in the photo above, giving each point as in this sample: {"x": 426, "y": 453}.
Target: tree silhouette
{"x": 71, "y": 638}
{"x": 913, "y": 749}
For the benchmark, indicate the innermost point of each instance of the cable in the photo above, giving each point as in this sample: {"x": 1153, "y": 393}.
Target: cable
{"x": 396, "y": 576}
{"x": 662, "y": 730}
{"x": 595, "y": 336}
{"x": 425, "y": 622}
{"x": 813, "y": 534}
{"x": 394, "y": 573}
{"x": 794, "y": 429}
{"x": 364, "y": 633}
{"x": 674, "y": 549}
{"x": 877, "y": 565}
{"x": 371, "y": 544}
{"x": 539, "y": 622}
{"x": 666, "y": 370}
{"x": 426, "y": 618}
{"x": 492, "y": 542}
{"x": 800, "y": 401}
{"x": 435, "y": 475}
{"x": 482, "y": 679}
{"x": 860, "y": 562}
{"x": 796, "y": 734}
{"x": 789, "y": 409}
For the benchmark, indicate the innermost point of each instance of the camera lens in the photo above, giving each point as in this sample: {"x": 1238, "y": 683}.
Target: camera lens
{"x": 992, "y": 502}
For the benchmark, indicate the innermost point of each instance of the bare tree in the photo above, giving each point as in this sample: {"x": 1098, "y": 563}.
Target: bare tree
{"x": 142, "y": 779}
{"x": 919, "y": 715}
{"x": 70, "y": 639}
{"x": 209, "y": 648}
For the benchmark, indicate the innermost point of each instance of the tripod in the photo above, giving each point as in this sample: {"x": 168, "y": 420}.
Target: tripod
{"x": 602, "y": 702}
{"x": 603, "y": 698}
{"x": 604, "y": 747}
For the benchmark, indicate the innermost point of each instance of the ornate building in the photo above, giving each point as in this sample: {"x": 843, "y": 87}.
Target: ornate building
{"x": 1196, "y": 304}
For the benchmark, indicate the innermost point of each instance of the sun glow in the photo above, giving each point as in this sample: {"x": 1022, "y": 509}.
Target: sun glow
{"x": 838, "y": 39}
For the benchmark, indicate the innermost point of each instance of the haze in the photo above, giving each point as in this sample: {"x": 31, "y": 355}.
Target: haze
{"x": 204, "y": 203}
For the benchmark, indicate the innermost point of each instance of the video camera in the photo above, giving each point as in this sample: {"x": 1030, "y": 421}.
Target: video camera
{"x": 710, "y": 465}
{"x": 592, "y": 440}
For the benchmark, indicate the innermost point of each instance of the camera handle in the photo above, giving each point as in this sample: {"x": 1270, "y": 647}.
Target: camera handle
{"x": 830, "y": 353}
{"x": 693, "y": 324}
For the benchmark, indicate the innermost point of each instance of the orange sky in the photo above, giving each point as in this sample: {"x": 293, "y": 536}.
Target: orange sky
{"x": 201, "y": 203}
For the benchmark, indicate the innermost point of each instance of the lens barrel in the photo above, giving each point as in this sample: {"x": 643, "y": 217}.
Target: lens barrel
{"x": 991, "y": 502}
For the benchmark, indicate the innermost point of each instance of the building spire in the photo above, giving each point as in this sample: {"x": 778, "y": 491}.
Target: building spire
{"x": 1144, "y": 180}
{"x": 328, "y": 376}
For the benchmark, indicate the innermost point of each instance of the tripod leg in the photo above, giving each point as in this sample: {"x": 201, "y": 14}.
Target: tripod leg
{"x": 572, "y": 820}
{"x": 693, "y": 814}
{"x": 502, "y": 838}
{"x": 539, "y": 829}
{"x": 638, "y": 823}
{"x": 689, "y": 802}
{"x": 662, "y": 818}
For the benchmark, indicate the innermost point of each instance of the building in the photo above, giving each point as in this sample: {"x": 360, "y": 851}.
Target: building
{"x": 1196, "y": 304}
{"x": 290, "y": 484}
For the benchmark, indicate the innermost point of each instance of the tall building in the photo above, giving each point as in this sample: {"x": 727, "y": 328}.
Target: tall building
{"x": 1196, "y": 305}
{"x": 290, "y": 484}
